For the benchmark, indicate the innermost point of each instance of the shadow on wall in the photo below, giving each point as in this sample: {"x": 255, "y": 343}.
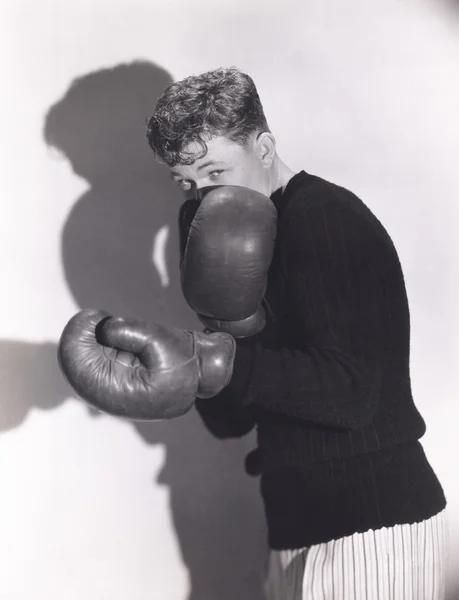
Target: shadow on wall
{"x": 107, "y": 249}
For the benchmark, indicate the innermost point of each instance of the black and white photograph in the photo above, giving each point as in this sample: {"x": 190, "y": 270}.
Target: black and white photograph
{"x": 229, "y": 347}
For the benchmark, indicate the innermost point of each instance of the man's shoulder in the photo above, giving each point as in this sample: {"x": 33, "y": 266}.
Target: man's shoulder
{"x": 317, "y": 200}
{"x": 313, "y": 191}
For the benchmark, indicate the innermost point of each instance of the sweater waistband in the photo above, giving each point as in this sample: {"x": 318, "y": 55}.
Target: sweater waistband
{"x": 313, "y": 505}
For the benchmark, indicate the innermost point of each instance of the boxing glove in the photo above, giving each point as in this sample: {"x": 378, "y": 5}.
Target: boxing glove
{"x": 227, "y": 244}
{"x": 142, "y": 371}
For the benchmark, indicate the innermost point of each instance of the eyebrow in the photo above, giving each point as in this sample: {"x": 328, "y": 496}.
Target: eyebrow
{"x": 209, "y": 163}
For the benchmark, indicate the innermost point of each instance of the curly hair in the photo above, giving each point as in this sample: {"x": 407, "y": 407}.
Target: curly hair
{"x": 219, "y": 102}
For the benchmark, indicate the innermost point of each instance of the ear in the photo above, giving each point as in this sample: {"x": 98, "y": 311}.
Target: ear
{"x": 266, "y": 148}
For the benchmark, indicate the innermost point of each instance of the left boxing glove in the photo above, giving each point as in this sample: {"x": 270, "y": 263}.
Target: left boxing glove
{"x": 226, "y": 253}
{"x": 142, "y": 371}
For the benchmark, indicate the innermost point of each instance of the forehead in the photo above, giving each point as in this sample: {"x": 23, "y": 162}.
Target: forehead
{"x": 219, "y": 150}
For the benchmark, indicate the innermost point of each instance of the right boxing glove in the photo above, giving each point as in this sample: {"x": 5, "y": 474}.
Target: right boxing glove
{"x": 226, "y": 247}
{"x": 142, "y": 371}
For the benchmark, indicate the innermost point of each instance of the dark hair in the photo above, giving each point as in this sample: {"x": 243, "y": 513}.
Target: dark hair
{"x": 219, "y": 102}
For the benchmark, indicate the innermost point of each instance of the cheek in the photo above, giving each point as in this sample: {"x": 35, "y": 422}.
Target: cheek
{"x": 256, "y": 177}
{"x": 249, "y": 174}
{"x": 250, "y": 171}
{"x": 241, "y": 175}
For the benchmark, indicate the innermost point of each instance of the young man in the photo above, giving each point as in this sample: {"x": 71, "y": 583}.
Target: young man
{"x": 353, "y": 508}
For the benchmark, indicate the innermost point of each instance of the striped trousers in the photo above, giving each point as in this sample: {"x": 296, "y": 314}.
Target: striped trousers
{"x": 405, "y": 562}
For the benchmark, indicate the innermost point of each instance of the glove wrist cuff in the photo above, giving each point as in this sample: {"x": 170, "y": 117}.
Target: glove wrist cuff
{"x": 242, "y": 328}
{"x": 215, "y": 353}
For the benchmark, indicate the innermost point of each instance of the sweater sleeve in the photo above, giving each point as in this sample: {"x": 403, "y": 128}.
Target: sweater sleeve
{"x": 333, "y": 266}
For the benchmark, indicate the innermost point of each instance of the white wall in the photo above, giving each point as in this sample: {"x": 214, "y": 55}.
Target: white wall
{"x": 365, "y": 94}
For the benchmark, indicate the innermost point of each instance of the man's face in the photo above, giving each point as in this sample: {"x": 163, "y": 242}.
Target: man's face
{"x": 226, "y": 163}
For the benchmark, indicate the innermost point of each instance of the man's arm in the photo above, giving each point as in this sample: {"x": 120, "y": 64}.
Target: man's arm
{"x": 335, "y": 263}
{"x": 223, "y": 419}
{"x": 226, "y": 248}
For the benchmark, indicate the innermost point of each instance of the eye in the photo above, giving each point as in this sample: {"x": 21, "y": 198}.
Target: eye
{"x": 184, "y": 184}
{"x": 215, "y": 174}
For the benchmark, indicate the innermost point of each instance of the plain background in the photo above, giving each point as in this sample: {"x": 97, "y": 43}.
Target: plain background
{"x": 363, "y": 93}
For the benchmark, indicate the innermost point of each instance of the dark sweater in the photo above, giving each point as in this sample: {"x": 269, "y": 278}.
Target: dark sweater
{"x": 327, "y": 382}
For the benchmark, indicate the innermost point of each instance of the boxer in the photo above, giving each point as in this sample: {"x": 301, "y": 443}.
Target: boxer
{"x": 307, "y": 339}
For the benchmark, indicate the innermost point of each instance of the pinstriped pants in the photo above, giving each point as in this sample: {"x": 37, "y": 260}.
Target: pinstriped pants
{"x": 405, "y": 562}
